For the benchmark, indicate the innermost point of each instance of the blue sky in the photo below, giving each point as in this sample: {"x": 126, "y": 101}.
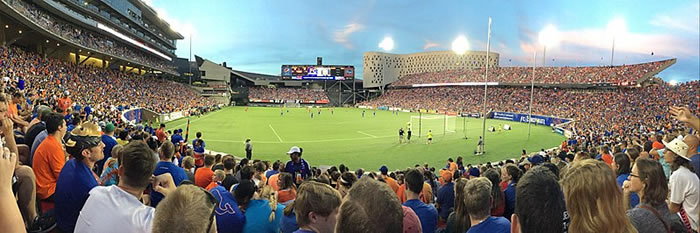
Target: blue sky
{"x": 260, "y": 36}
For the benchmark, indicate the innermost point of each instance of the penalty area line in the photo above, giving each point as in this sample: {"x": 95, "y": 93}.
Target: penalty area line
{"x": 367, "y": 134}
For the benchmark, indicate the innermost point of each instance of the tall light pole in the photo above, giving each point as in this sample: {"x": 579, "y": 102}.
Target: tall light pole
{"x": 616, "y": 27}
{"x": 532, "y": 93}
{"x": 547, "y": 37}
{"x": 459, "y": 47}
{"x": 486, "y": 86}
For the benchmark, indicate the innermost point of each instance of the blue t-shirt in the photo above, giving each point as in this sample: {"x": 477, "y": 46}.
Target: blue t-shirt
{"x": 228, "y": 217}
{"x": 491, "y": 225}
{"x": 257, "y": 217}
{"x": 198, "y": 148}
{"x": 176, "y": 139}
{"x": 163, "y": 167}
{"x": 446, "y": 199}
{"x": 302, "y": 168}
{"x": 695, "y": 161}
{"x": 109, "y": 142}
{"x": 509, "y": 195}
{"x": 87, "y": 110}
{"x": 634, "y": 198}
{"x": 72, "y": 190}
{"x": 289, "y": 223}
{"x": 427, "y": 214}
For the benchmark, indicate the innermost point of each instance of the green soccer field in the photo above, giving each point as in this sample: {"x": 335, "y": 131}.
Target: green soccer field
{"x": 346, "y": 137}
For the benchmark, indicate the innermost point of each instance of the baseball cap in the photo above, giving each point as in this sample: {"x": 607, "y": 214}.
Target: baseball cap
{"x": 383, "y": 169}
{"x": 294, "y": 149}
{"x": 678, "y": 146}
{"x": 109, "y": 128}
{"x": 536, "y": 159}
{"x": 474, "y": 172}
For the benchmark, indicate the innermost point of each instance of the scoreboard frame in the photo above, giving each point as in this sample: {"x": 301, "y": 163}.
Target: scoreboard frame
{"x": 317, "y": 72}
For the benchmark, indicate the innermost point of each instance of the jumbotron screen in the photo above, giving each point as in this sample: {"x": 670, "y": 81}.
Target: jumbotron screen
{"x": 315, "y": 72}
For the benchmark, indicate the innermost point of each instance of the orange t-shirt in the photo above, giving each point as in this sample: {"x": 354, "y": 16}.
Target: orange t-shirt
{"x": 453, "y": 167}
{"x": 392, "y": 183}
{"x": 211, "y": 186}
{"x": 12, "y": 109}
{"x": 607, "y": 159}
{"x": 160, "y": 134}
{"x": 286, "y": 195}
{"x": 425, "y": 196}
{"x": 272, "y": 181}
{"x": 49, "y": 159}
{"x": 203, "y": 176}
{"x": 657, "y": 145}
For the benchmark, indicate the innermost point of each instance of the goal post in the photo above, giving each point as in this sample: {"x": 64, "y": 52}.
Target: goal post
{"x": 438, "y": 124}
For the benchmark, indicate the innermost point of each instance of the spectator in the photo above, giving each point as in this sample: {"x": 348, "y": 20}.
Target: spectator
{"x": 287, "y": 192}
{"x": 499, "y": 203}
{"x": 262, "y": 212}
{"x": 345, "y": 182}
{"x": 510, "y": 174}
{"x": 218, "y": 176}
{"x": 230, "y": 179}
{"x": 50, "y": 157}
{"x": 198, "y": 146}
{"x": 272, "y": 181}
{"x": 110, "y": 173}
{"x": 621, "y": 166}
{"x": 478, "y": 200}
{"x": 12, "y": 218}
{"x": 651, "y": 215}
{"x": 76, "y": 178}
{"x": 297, "y": 166}
{"x": 458, "y": 221}
{"x": 110, "y": 141}
{"x": 590, "y": 189}
{"x": 390, "y": 181}
{"x": 160, "y": 133}
{"x": 165, "y": 165}
{"x": 187, "y": 209}
{"x": 684, "y": 184}
{"x": 37, "y": 125}
{"x": 358, "y": 212}
{"x": 229, "y": 218}
{"x": 275, "y": 170}
{"x": 427, "y": 214}
{"x": 188, "y": 165}
{"x": 316, "y": 207}
{"x": 533, "y": 213}
{"x": 127, "y": 213}
{"x": 693, "y": 141}
{"x": 203, "y": 175}
{"x": 446, "y": 196}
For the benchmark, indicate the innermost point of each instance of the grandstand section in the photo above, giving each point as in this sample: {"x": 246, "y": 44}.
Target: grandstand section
{"x": 121, "y": 35}
{"x": 381, "y": 69}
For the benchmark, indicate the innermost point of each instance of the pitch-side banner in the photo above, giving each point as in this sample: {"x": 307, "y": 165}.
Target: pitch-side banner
{"x": 537, "y": 119}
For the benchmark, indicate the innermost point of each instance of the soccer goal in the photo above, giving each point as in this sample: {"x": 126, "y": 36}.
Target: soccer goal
{"x": 291, "y": 104}
{"x": 438, "y": 124}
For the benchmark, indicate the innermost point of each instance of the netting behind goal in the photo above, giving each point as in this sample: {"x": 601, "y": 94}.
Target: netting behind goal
{"x": 291, "y": 104}
{"x": 438, "y": 124}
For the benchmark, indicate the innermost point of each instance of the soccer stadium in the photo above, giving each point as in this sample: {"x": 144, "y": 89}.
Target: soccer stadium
{"x": 178, "y": 116}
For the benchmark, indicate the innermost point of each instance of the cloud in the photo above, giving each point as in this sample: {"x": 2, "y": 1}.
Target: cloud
{"x": 684, "y": 18}
{"x": 342, "y": 36}
{"x": 430, "y": 44}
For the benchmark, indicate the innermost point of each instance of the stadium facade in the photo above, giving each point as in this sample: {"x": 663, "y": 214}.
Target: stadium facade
{"x": 381, "y": 69}
{"x": 127, "y": 35}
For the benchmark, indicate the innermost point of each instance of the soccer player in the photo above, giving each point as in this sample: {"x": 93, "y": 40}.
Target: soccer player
{"x": 430, "y": 137}
{"x": 281, "y": 112}
{"x": 409, "y": 136}
{"x": 480, "y": 146}
{"x": 312, "y": 115}
{"x": 374, "y": 113}
{"x": 363, "y": 113}
{"x": 400, "y": 135}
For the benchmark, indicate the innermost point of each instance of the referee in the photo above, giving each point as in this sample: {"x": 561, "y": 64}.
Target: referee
{"x": 401, "y": 135}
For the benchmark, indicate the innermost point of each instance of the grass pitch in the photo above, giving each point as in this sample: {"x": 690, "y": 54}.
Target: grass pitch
{"x": 346, "y": 137}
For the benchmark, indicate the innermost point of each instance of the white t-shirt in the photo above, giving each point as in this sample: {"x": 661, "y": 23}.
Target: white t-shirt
{"x": 111, "y": 209}
{"x": 685, "y": 189}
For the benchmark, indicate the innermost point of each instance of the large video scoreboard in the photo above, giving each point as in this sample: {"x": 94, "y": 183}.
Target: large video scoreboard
{"x": 316, "y": 72}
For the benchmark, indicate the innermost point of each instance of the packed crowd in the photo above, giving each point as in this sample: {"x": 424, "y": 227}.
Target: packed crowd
{"x": 102, "y": 92}
{"x": 549, "y": 75}
{"x": 151, "y": 180}
{"x": 282, "y": 93}
{"x": 86, "y": 38}
{"x": 595, "y": 111}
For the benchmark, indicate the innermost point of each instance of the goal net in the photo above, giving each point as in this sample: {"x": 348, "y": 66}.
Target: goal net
{"x": 291, "y": 104}
{"x": 438, "y": 124}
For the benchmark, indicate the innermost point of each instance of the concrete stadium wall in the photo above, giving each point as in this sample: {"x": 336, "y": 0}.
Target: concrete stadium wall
{"x": 380, "y": 69}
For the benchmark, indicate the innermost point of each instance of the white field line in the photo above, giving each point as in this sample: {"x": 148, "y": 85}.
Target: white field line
{"x": 273, "y": 130}
{"x": 367, "y": 134}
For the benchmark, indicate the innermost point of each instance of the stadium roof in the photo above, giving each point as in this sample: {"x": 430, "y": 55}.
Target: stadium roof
{"x": 256, "y": 76}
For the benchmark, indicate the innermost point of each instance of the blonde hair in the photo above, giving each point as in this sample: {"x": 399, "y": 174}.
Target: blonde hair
{"x": 593, "y": 199}
{"x": 220, "y": 175}
{"x": 267, "y": 192}
{"x": 188, "y": 162}
{"x": 315, "y": 197}
{"x": 187, "y": 209}
{"x": 359, "y": 210}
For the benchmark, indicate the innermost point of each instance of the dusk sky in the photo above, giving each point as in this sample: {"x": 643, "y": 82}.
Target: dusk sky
{"x": 260, "y": 36}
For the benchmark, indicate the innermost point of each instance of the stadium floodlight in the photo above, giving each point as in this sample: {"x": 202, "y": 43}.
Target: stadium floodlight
{"x": 460, "y": 45}
{"x": 548, "y": 37}
{"x": 673, "y": 82}
{"x": 616, "y": 27}
{"x": 387, "y": 44}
